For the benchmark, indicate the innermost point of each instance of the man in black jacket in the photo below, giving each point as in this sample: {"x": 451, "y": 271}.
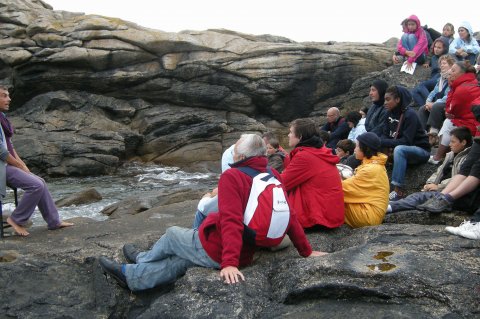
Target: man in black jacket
{"x": 336, "y": 126}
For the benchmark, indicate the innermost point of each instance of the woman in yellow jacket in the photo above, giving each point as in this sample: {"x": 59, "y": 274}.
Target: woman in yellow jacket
{"x": 366, "y": 192}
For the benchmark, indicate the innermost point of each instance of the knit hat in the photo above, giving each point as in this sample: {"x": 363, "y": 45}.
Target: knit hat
{"x": 476, "y": 112}
{"x": 370, "y": 139}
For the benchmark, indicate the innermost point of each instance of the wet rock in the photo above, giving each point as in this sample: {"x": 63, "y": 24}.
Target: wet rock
{"x": 86, "y": 196}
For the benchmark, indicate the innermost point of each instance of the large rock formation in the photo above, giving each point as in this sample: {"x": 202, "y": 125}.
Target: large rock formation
{"x": 91, "y": 91}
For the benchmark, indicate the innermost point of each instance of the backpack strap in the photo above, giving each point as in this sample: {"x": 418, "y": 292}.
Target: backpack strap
{"x": 249, "y": 234}
{"x": 253, "y": 172}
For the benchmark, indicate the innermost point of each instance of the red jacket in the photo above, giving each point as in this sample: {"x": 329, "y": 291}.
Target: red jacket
{"x": 221, "y": 233}
{"x": 464, "y": 92}
{"x": 314, "y": 187}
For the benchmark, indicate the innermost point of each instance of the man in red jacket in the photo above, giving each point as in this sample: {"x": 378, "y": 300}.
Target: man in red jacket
{"x": 217, "y": 243}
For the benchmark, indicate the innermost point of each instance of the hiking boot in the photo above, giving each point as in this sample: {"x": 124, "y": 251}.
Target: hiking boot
{"x": 472, "y": 232}
{"x": 131, "y": 253}
{"x": 466, "y": 224}
{"x": 394, "y": 196}
{"x": 437, "y": 205}
{"x": 114, "y": 270}
{"x": 422, "y": 206}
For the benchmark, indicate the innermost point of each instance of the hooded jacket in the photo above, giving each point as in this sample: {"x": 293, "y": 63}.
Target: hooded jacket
{"x": 422, "y": 42}
{"x": 314, "y": 186}
{"x": 377, "y": 114}
{"x": 471, "y": 47}
{"x": 411, "y": 131}
{"x": 464, "y": 92}
{"x": 221, "y": 234}
{"x": 434, "y": 66}
{"x": 366, "y": 193}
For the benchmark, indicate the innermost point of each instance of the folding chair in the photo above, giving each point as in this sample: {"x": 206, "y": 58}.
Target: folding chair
{"x": 1, "y": 210}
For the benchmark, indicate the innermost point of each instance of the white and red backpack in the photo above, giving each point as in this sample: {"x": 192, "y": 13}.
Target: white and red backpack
{"x": 267, "y": 215}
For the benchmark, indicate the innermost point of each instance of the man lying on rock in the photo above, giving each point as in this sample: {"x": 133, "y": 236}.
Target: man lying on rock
{"x": 222, "y": 240}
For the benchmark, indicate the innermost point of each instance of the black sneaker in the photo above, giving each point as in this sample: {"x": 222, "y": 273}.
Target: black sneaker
{"x": 438, "y": 205}
{"x": 130, "y": 252}
{"x": 114, "y": 270}
{"x": 422, "y": 206}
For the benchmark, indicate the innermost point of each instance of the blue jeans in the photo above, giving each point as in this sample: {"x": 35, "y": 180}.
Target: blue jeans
{"x": 471, "y": 57}
{"x": 409, "y": 40}
{"x": 422, "y": 90}
{"x": 466, "y": 203}
{"x": 403, "y": 155}
{"x": 210, "y": 207}
{"x": 411, "y": 201}
{"x": 176, "y": 251}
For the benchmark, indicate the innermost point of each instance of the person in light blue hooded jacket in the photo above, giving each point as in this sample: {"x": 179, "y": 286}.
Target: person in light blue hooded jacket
{"x": 465, "y": 47}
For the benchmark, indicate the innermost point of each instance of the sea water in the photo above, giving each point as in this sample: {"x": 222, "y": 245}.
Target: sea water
{"x": 131, "y": 179}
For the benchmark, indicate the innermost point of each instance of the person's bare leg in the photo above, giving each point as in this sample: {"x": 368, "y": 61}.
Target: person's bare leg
{"x": 468, "y": 185}
{"x": 20, "y": 230}
{"x": 455, "y": 181}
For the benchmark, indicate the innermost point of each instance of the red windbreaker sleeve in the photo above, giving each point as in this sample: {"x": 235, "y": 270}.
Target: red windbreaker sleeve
{"x": 231, "y": 207}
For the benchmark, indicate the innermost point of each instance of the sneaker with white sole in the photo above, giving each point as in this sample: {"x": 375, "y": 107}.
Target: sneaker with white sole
{"x": 466, "y": 224}
{"x": 472, "y": 232}
{"x": 394, "y": 196}
{"x": 433, "y": 161}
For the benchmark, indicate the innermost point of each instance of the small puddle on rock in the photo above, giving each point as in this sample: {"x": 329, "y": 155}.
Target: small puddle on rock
{"x": 7, "y": 257}
{"x": 382, "y": 267}
{"x": 385, "y": 266}
{"x": 382, "y": 255}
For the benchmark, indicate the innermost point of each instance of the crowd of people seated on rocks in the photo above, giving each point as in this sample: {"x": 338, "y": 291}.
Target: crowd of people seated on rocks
{"x": 313, "y": 195}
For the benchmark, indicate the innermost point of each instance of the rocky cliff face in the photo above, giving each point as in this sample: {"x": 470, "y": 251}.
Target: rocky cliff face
{"x": 90, "y": 91}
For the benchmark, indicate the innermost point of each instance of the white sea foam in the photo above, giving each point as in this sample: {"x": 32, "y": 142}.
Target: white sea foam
{"x": 130, "y": 180}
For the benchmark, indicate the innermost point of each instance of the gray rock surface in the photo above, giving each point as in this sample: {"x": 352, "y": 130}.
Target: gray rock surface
{"x": 393, "y": 270}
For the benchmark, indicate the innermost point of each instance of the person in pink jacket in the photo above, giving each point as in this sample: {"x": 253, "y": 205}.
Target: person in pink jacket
{"x": 311, "y": 178}
{"x": 413, "y": 45}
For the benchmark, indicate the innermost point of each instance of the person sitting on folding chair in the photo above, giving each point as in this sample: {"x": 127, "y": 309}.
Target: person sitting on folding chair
{"x": 18, "y": 175}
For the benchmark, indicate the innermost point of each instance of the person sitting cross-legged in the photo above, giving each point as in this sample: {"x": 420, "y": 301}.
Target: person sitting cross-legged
{"x": 219, "y": 242}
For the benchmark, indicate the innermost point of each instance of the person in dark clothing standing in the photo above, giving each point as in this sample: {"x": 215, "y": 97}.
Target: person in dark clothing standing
{"x": 336, "y": 126}
{"x": 404, "y": 133}
{"x": 377, "y": 114}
